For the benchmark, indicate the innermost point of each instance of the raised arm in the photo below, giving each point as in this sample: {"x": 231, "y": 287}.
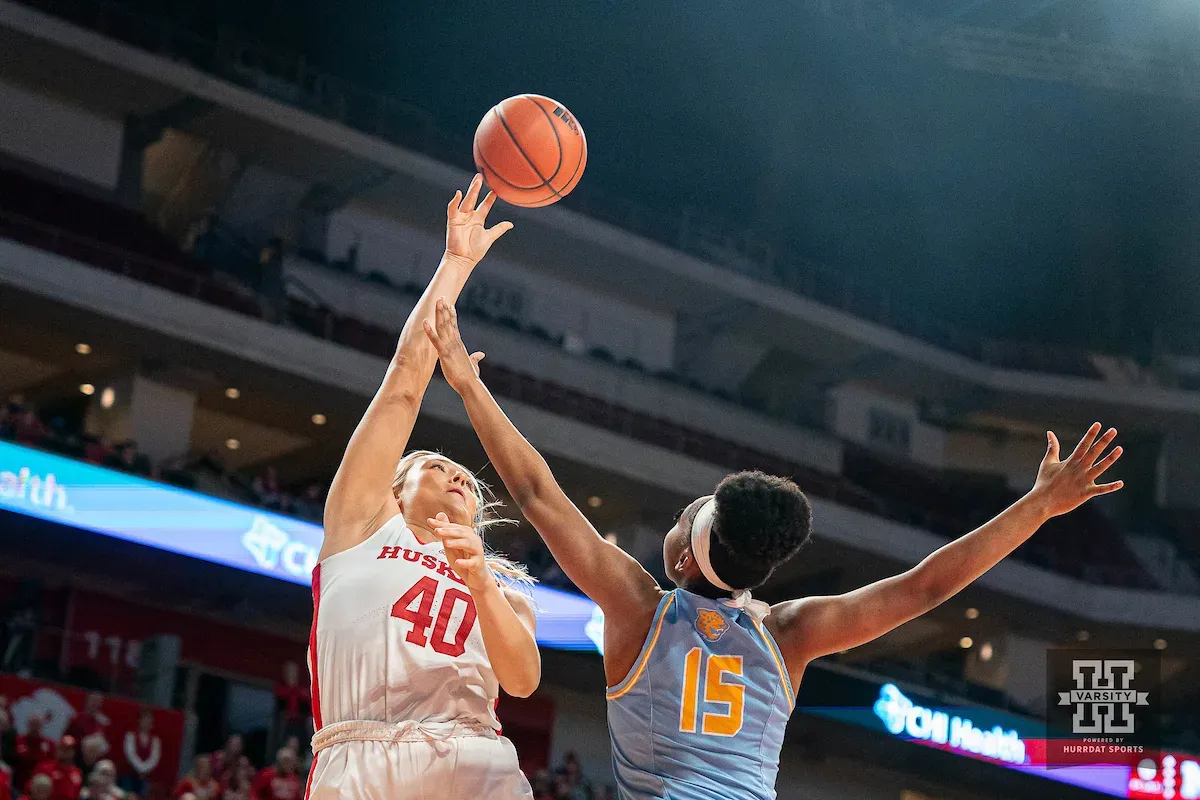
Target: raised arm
{"x": 604, "y": 572}
{"x": 817, "y": 626}
{"x": 360, "y": 498}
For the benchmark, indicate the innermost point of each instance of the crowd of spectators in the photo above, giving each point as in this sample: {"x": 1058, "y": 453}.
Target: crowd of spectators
{"x": 568, "y": 782}
{"x": 79, "y": 765}
{"x": 20, "y": 422}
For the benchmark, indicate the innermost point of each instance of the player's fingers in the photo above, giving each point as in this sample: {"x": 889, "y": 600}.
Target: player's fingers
{"x": 468, "y": 203}
{"x": 454, "y": 204}
{"x": 467, "y": 563}
{"x": 498, "y": 230}
{"x": 432, "y": 334}
{"x": 1051, "y": 448}
{"x": 1102, "y": 466}
{"x": 476, "y": 358}
{"x": 1096, "y": 450}
{"x": 1087, "y": 441}
{"x": 486, "y": 206}
{"x": 1107, "y": 488}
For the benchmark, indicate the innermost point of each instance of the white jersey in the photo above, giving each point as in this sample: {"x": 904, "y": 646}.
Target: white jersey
{"x": 394, "y": 637}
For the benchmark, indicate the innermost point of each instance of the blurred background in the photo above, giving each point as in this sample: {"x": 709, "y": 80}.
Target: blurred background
{"x": 878, "y": 248}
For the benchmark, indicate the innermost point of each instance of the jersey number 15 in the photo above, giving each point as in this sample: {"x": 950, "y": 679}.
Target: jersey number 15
{"x": 716, "y": 690}
{"x": 422, "y": 594}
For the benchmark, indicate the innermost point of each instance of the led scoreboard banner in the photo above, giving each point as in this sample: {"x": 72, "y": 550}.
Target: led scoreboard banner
{"x": 133, "y": 509}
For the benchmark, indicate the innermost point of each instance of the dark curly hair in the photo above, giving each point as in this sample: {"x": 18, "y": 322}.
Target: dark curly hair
{"x": 761, "y": 521}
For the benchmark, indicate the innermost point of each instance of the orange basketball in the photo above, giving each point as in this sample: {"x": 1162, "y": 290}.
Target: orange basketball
{"x": 531, "y": 150}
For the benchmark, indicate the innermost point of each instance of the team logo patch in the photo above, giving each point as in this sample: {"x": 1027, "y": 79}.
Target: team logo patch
{"x": 710, "y": 624}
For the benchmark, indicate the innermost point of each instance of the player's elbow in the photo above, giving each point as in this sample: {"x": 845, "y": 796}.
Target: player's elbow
{"x": 928, "y": 587}
{"x": 524, "y": 683}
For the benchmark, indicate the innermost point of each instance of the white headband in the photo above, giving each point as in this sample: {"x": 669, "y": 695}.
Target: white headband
{"x": 702, "y": 543}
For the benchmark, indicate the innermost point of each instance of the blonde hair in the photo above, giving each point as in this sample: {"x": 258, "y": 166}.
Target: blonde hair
{"x": 486, "y": 516}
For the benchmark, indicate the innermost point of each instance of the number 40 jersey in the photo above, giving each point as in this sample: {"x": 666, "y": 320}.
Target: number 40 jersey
{"x": 701, "y": 715}
{"x": 394, "y": 637}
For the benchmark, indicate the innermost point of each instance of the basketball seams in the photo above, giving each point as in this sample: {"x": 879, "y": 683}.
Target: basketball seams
{"x": 481, "y": 157}
{"x": 525, "y": 155}
{"x": 554, "y": 130}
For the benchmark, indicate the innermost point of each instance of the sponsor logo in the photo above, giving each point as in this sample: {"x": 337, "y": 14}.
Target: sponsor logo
{"x": 40, "y": 491}
{"x": 273, "y": 549}
{"x": 902, "y": 717}
{"x": 594, "y": 629}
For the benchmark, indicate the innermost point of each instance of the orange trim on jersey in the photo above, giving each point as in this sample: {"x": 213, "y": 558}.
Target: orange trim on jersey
{"x": 643, "y": 658}
{"x": 775, "y": 654}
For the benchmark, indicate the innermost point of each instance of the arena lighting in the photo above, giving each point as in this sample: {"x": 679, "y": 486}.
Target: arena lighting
{"x": 611, "y": 538}
{"x": 986, "y": 652}
{"x": 232, "y": 393}
{"x": 87, "y": 388}
{"x": 1160, "y": 644}
{"x": 97, "y": 500}
{"x": 966, "y": 642}
{"x": 232, "y": 444}
{"x": 318, "y": 419}
{"x": 972, "y": 613}
{"x": 595, "y": 502}
{"x": 1082, "y": 636}
{"x": 108, "y": 397}
{"x": 83, "y": 349}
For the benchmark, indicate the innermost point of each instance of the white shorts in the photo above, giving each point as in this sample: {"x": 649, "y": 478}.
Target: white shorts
{"x": 376, "y": 761}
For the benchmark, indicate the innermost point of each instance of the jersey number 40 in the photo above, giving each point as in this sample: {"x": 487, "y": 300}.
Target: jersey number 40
{"x": 716, "y": 691}
{"x": 422, "y": 595}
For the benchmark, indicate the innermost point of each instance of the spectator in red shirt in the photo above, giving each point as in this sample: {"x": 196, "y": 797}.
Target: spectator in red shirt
{"x": 224, "y": 762}
{"x": 199, "y": 782}
{"x": 67, "y": 779}
{"x": 143, "y": 751}
{"x": 6, "y": 784}
{"x": 279, "y": 782}
{"x": 40, "y": 788}
{"x": 32, "y": 748}
{"x": 89, "y": 721}
{"x": 292, "y": 700}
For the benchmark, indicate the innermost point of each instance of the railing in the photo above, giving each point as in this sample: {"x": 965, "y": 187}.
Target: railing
{"x": 112, "y": 258}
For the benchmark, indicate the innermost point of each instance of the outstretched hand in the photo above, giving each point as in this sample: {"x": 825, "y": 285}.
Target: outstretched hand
{"x": 466, "y": 238}
{"x": 1063, "y": 486}
{"x": 458, "y": 368}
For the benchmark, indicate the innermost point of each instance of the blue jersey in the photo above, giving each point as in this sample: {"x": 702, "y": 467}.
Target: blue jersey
{"x": 702, "y": 713}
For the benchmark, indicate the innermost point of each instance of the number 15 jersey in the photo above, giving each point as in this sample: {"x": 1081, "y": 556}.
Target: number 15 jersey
{"x": 702, "y": 713}
{"x": 394, "y": 637}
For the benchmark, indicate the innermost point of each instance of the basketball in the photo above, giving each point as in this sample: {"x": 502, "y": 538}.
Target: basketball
{"x": 531, "y": 150}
